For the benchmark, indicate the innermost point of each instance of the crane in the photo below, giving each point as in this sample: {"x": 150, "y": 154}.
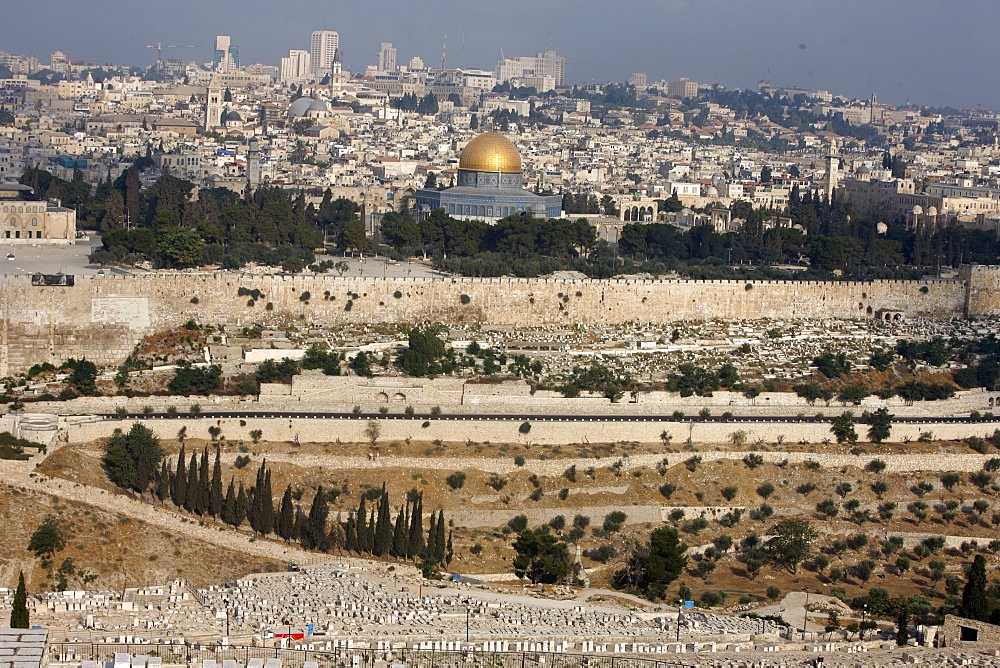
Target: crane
{"x": 159, "y": 48}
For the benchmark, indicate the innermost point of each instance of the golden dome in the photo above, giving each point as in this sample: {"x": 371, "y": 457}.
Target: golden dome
{"x": 491, "y": 152}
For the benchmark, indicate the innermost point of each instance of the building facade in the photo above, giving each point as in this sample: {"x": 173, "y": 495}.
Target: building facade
{"x": 296, "y": 67}
{"x": 323, "y": 45}
{"x": 23, "y": 221}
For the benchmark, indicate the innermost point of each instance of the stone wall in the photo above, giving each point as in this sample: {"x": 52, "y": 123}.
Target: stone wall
{"x": 498, "y": 430}
{"x": 951, "y": 632}
{"x": 102, "y": 317}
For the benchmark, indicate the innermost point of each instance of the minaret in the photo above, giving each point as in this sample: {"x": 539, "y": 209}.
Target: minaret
{"x": 832, "y": 169}
{"x": 253, "y": 163}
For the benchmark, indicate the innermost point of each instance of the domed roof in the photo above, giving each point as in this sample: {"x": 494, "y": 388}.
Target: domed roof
{"x": 303, "y": 105}
{"x": 711, "y": 191}
{"x": 932, "y": 211}
{"x": 917, "y": 210}
{"x": 490, "y": 152}
{"x": 233, "y": 116}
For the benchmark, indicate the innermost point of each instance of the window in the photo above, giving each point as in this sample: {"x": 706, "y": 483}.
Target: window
{"x": 969, "y": 634}
{"x": 34, "y": 222}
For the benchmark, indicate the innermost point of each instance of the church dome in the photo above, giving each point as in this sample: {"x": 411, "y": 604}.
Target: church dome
{"x": 491, "y": 152}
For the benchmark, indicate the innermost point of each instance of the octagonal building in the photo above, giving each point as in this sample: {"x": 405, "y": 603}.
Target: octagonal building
{"x": 490, "y": 186}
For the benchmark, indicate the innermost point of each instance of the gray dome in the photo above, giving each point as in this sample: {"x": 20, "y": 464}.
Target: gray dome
{"x": 302, "y": 106}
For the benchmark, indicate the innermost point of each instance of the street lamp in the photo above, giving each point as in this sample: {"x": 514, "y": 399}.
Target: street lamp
{"x": 805, "y": 614}
{"x": 466, "y": 623}
{"x": 864, "y": 609}
{"x": 679, "y": 604}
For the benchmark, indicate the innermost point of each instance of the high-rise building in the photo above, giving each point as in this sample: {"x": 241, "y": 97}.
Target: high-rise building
{"x": 682, "y": 88}
{"x": 296, "y": 67}
{"x": 638, "y": 79}
{"x": 322, "y": 46}
{"x": 227, "y": 56}
{"x": 387, "y": 57}
{"x": 548, "y": 64}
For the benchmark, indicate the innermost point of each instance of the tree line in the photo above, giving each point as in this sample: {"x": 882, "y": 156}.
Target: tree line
{"x": 135, "y": 461}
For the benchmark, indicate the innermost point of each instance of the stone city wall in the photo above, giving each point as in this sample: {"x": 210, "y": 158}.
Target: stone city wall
{"x": 102, "y": 317}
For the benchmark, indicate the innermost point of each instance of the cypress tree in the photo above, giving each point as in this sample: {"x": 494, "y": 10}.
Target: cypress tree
{"x": 975, "y": 604}
{"x": 432, "y": 539}
{"x": 229, "y": 505}
{"x": 19, "y": 613}
{"x": 415, "y": 541}
{"x": 163, "y": 482}
{"x": 267, "y": 517}
{"x": 191, "y": 501}
{"x": 903, "y": 622}
{"x": 299, "y": 531}
{"x": 383, "y": 526}
{"x": 203, "y": 484}
{"x": 351, "y": 534}
{"x": 179, "y": 491}
{"x": 439, "y": 538}
{"x": 286, "y": 515}
{"x": 215, "y": 496}
{"x": 361, "y": 525}
{"x": 370, "y": 535}
{"x": 255, "y": 511}
{"x": 399, "y": 534}
{"x": 450, "y": 553}
{"x": 241, "y": 507}
{"x": 316, "y": 523}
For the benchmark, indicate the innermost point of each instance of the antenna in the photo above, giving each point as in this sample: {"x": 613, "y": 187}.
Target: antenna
{"x": 444, "y": 49}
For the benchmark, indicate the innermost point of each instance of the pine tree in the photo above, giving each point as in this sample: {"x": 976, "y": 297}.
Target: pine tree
{"x": 241, "y": 507}
{"x": 191, "y": 501}
{"x": 383, "y": 526}
{"x": 215, "y": 496}
{"x": 229, "y": 505}
{"x": 163, "y": 482}
{"x": 316, "y": 523}
{"x": 399, "y": 534}
{"x": 415, "y": 542}
{"x": 286, "y": 515}
{"x": 975, "y": 604}
{"x": 439, "y": 538}
{"x": 179, "y": 491}
{"x": 19, "y": 613}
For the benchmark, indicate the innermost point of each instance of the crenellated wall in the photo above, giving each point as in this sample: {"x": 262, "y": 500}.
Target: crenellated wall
{"x": 102, "y": 317}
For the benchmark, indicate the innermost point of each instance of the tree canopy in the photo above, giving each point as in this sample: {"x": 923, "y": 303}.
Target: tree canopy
{"x": 541, "y": 558}
{"x": 654, "y": 565}
{"x": 132, "y": 460}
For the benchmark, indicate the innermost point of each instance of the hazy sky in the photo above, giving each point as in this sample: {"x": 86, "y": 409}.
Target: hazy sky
{"x": 934, "y": 52}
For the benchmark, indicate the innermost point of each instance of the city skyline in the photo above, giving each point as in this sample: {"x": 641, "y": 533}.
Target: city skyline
{"x": 849, "y": 47}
